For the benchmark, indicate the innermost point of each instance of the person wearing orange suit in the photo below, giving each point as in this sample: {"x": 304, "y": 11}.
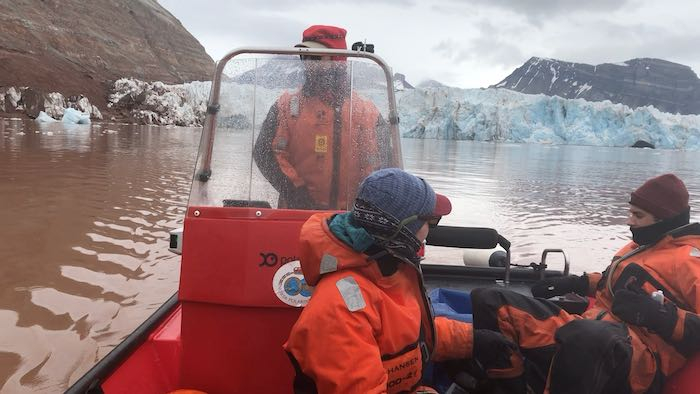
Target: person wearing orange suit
{"x": 318, "y": 143}
{"x": 644, "y": 323}
{"x": 368, "y": 327}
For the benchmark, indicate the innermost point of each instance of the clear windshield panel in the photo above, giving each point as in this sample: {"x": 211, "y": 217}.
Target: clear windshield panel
{"x": 291, "y": 133}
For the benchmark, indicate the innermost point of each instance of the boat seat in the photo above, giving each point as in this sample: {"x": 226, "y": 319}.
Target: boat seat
{"x": 233, "y": 322}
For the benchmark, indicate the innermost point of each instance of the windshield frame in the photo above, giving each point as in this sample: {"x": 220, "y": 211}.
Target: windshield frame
{"x": 203, "y": 170}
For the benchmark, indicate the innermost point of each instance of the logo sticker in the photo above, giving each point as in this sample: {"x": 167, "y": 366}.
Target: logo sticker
{"x": 290, "y": 286}
{"x": 321, "y": 144}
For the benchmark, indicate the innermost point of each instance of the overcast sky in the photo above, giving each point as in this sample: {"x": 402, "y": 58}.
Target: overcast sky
{"x": 463, "y": 43}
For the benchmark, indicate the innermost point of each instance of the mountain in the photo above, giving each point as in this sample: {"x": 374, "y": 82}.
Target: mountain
{"x": 400, "y": 82}
{"x": 431, "y": 83}
{"x": 670, "y": 87}
{"x": 288, "y": 72}
{"x": 75, "y": 47}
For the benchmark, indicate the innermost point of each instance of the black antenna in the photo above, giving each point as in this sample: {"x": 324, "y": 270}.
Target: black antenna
{"x": 363, "y": 47}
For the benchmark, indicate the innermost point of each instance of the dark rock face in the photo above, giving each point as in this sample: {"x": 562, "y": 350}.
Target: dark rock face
{"x": 33, "y": 102}
{"x": 401, "y": 79}
{"x": 74, "y": 47}
{"x": 670, "y": 87}
{"x": 643, "y": 144}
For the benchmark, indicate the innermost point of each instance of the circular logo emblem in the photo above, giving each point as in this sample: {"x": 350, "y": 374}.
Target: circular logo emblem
{"x": 290, "y": 286}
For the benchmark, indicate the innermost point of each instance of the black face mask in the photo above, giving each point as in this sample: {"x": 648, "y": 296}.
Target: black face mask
{"x": 325, "y": 79}
{"x": 654, "y": 232}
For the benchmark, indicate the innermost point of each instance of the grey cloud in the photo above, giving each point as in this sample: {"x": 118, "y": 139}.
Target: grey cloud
{"x": 213, "y": 7}
{"x": 536, "y": 11}
{"x": 285, "y": 4}
{"x": 487, "y": 48}
{"x": 627, "y": 42}
{"x": 483, "y": 49}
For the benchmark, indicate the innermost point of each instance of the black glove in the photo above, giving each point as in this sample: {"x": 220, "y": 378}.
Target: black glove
{"x": 639, "y": 309}
{"x": 493, "y": 350}
{"x": 561, "y": 285}
{"x": 300, "y": 198}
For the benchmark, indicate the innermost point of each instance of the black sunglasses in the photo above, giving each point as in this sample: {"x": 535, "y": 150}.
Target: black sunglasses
{"x": 431, "y": 220}
{"x": 309, "y": 57}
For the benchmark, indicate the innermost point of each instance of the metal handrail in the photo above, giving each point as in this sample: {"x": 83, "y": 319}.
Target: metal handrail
{"x": 544, "y": 260}
{"x": 213, "y": 105}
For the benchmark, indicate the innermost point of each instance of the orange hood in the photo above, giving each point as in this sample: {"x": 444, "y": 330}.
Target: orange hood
{"x": 322, "y": 252}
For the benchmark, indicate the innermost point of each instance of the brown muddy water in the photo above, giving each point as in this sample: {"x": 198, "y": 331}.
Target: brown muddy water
{"x": 84, "y": 222}
{"x": 85, "y": 213}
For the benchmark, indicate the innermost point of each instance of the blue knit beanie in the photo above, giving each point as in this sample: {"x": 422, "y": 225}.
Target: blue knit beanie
{"x": 398, "y": 193}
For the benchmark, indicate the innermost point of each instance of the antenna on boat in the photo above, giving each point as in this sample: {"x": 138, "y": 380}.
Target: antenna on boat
{"x": 363, "y": 46}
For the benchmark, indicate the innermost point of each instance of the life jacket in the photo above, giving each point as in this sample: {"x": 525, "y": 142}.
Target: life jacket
{"x": 671, "y": 265}
{"x": 361, "y": 331}
{"x": 327, "y": 148}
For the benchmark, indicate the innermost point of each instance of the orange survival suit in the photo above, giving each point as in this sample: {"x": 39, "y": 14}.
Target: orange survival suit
{"x": 363, "y": 332}
{"x": 631, "y": 358}
{"x": 318, "y": 147}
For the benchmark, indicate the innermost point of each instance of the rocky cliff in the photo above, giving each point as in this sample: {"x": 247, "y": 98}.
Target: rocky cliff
{"x": 670, "y": 87}
{"x": 75, "y": 47}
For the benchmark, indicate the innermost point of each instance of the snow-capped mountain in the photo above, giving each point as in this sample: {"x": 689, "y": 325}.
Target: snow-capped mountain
{"x": 288, "y": 72}
{"x": 400, "y": 82}
{"x": 669, "y": 87}
{"x": 431, "y": 83}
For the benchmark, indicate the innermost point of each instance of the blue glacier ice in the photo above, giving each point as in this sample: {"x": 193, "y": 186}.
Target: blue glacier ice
{"x": 451, "y": 113}
{"x": 504, "y": 115}
{"x": 73, "y": 116}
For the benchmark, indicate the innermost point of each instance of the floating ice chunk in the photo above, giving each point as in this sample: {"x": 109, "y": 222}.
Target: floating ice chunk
{"x": 73, "y": 116}
{"x": 43, "y": 117}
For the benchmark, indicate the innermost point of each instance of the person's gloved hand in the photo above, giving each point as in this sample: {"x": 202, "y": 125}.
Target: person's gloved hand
{"x": 498, "y": 355}
{"x": 552, "y": 287}
{"x": 300, "y": 198}
{"x": 639, "y": 309}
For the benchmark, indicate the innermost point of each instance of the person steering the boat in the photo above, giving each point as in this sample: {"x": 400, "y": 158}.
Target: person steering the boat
{"x": 318, "y": 143}
{"x": 644, "y": 323}
{"x": 368, "y": 327}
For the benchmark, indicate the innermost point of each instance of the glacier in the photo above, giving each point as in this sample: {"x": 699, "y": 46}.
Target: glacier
{"x": 503, "y": 115}
{"x": 442, "y": 112}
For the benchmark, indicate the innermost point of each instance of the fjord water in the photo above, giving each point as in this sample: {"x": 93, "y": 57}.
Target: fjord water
{"x": 86, "y": 210}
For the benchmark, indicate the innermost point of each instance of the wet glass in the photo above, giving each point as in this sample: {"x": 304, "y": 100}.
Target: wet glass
{"x": 303, "y": 136}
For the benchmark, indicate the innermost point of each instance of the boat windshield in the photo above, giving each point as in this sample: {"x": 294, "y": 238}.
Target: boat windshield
{"x": 297, "y": 133}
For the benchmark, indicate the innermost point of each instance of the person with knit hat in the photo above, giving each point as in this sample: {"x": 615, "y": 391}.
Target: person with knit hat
{"x": 368, "y": 326}
{"x": 644, "y": 323}
{"x": 318, "y": 143}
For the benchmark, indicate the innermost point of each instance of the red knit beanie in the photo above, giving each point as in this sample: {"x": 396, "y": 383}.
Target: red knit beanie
{"x": 328, "y": 36}
{"x": 664, "y": 196}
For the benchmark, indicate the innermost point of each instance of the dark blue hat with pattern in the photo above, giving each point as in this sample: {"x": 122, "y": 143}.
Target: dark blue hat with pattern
{"x": 399, "y": 194}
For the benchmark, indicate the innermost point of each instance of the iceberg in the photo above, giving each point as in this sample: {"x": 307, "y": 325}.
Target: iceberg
{"x": 73, "y": 116}
{"x": 43, "y": 117}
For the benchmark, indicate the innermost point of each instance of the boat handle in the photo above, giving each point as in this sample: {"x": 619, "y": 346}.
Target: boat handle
{"x": 544, "y": 261}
